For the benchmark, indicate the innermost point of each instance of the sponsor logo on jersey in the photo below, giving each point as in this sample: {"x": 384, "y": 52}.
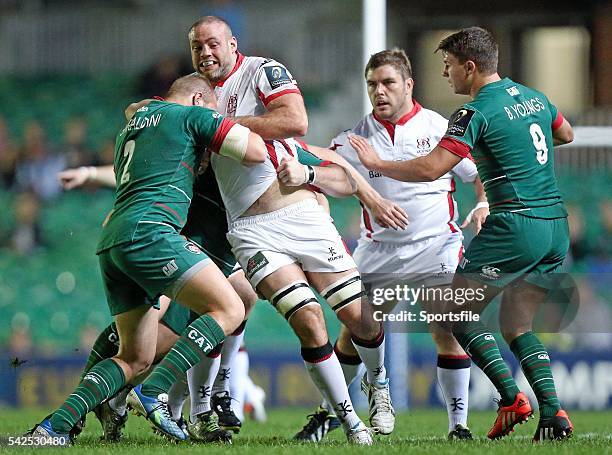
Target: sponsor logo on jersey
{"x": 170, "y": 268}
{"x": 513, "y": 91}
{"x": 374, "y": 174}
{"x": 256, "y": 263}
{"x": 277, "y": 76}
{"x": 333, "y": 254}
{"x": 192, "y": 248}
{"x": 232, "y": 105}
{"x": 143, "y": 109}
{"x": 490, "y": 272}
{"x": 459, "y": 122}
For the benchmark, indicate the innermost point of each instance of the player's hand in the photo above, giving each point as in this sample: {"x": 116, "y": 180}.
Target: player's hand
{"x": 291, "y": 172}
{"x": 476, "y": 216}
{"x": 366, "y": 153}
{"x": 389, "y": 215}
{"x": 73, "y": 178}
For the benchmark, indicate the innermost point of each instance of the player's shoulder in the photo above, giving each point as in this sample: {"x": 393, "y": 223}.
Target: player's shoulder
{"x": 433, "y": 117}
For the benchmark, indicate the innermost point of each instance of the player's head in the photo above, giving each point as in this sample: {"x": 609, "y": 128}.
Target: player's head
{"x": 192, "y": 90}
{"x": 388, "y": 76}
{"x": 468, "y": 53}
{"x": 213, "y": 48}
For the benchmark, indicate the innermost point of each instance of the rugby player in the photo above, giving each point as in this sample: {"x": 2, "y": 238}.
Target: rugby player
{"x": 511, "y": 130}
{"x": 142, "y": 255}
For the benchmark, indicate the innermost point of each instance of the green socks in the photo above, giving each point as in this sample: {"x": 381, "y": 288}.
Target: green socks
{"x": 481, "y": 346}
{"x": 101, "y": 382}
{"x": 105, "y": 347}
{"x": 535, "y": 362}
{"x": 199, "y": 338}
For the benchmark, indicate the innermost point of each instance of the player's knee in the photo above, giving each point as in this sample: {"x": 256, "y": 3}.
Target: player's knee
{"x": 345, "y": 291}
{"x": 233, "y": 315}
{"x": 295, "y": 297}
{"x": 138, "y": 363}
{"x": 446, "y": 343}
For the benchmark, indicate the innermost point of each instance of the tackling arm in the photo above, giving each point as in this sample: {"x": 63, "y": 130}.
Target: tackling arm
{"x": 100, "y": 175}
{"x": 286, "y": 117}
{"x": 386, "y": 213}
{"x": 423, "y": 169}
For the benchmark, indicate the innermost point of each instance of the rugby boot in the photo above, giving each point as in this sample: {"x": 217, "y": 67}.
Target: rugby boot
{"x": 557, "y": 427}
{"x": 509, "y": 416}
{"x": 319, "y": 424}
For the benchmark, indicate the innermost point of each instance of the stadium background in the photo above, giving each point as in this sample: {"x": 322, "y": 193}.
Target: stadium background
{"x": 68, "y": 69}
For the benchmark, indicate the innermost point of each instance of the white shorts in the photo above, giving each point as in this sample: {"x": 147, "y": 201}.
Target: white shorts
{"x": 429, "y": 262}
{"x": 302, "y": 232}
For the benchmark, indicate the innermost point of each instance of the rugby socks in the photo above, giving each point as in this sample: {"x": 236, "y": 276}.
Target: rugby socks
{"x": 325, "y": 371}
{"x": 454, "y": 379}
{"x": 350, "y": 368}
{"x": 105, "y": 347}
{"x": 481, "y": 346}
{"x": 350, "y": 365}
{"x": 200, "y": 379}
{"x": 240, "y": 381}
{"x": 119, "y": 402}
{"x": 197, "y": 340}
{"x": 177, "y": 395}
{"x": 535, "y": 362}
{"x": 231, "y": 345}
{"x": 372, "y": 353}
{"x": 101, "y": 382}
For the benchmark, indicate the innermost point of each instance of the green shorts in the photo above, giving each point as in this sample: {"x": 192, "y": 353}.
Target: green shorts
{"x": 207, "y": 226}
{"x": 138, "y": 272}
{"x": 511, "y": 246}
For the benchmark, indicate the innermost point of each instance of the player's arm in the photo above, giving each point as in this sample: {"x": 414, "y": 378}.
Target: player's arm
{"x": 563, "y": 133}
{"x": 331, "y": 178}
{"x": 100, "y": 175}
{"x": 479, "y": 213}
{"x": 386, "y": 213}
{"x": 238, "y": 143}
{"x": 286, "y": 117}
{"x": 423, "y": 169}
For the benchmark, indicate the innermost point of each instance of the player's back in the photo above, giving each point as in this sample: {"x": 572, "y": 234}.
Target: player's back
{"x": 156, "y": 154}
{"x": 514, "y": 147}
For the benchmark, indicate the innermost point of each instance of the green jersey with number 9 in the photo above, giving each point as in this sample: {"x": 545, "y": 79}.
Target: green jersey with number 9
{"x": 156, "y": 154}
{"x": 508, "y": 130}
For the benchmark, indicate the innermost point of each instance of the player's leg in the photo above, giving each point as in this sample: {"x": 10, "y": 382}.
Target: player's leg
{"x": 519, "y": 306}
{"x": 289, "y": 293}
{"x": 136, "y": 328}
{"x": 344, "y": 293}
{"x": 222, "y": 401}
{"x": 452, "y": 371}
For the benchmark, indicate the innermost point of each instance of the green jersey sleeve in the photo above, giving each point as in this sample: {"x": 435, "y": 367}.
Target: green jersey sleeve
{"x": 208, "y": 127}
{"x": 309, "y": 159}
{"x": 465, "y": 127}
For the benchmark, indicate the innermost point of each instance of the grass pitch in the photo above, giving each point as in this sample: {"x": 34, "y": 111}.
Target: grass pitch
{"x": 418, "y": 431}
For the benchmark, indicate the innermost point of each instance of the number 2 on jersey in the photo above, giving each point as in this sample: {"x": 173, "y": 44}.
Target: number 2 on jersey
{"x": 539, "y": 142}
{"x": 128, "y": 150}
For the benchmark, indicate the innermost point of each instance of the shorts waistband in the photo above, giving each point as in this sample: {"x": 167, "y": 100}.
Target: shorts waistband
{"x": 276, "y": 214}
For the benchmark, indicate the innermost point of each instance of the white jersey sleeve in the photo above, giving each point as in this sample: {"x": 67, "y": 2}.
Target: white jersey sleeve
{"x": 272, "y": 80}
{"x": 465, "y": 170}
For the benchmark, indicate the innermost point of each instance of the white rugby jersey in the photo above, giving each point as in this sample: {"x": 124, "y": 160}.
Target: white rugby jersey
{"x": 430, "y": 206}
{"x": 240, "y": 186}
{"x": 252, "y": 84}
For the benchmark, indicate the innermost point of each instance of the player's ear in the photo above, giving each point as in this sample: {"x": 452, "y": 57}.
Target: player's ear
{"x": 233, "y": 43}
{"x": 409, "y": 84}
{"x": 470, "y": 67}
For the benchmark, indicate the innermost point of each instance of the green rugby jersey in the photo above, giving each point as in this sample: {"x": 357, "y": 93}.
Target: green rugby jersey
{"x": 155, "y": 157}
{"x": 508, "y": 129}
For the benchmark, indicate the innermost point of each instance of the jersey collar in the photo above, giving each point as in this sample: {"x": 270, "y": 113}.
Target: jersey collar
{"x": 236, "y": 66}
{"x": 390, "y": 127}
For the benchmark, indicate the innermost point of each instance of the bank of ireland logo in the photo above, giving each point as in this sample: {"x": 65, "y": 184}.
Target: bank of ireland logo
{"x": 489, "y": 272}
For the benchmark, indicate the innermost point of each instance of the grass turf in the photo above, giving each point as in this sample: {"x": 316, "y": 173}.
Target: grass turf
{"x": 418, "y": 431}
